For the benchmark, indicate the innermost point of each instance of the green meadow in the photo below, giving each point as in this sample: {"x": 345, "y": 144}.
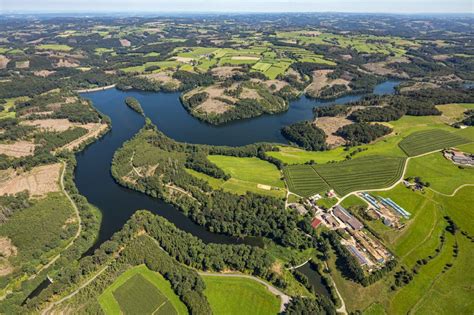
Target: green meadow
{"x": 141, "y": 291}
{"x": 234, "y": 295}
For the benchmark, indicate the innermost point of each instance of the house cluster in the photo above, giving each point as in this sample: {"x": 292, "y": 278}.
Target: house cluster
{"x": 385, "y": 209}
{"x": 458, "y": 157}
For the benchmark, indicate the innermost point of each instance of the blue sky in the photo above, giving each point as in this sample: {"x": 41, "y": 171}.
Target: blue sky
{"x": 386, "y": 6}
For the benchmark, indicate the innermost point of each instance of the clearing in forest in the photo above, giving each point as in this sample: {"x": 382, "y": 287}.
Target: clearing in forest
{"x": 234, "y": 295}
{"x": 141, "y": 291}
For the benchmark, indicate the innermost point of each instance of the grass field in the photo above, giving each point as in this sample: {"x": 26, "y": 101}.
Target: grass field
{"x": 434, "y": 289}
{"x": 6, "y": 113}
{"x": 141, "y": 291}
{"x": 362, "y": 173}
{"x": 304, "y": 180}
{"x": 251, "y": 170}
{"x": 442, "y": 174}
{"x": 232, "y": 295}
{"x": 430, "y": 140}
{"x": 55, "y": 47}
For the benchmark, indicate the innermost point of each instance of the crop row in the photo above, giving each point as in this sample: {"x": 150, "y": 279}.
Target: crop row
{"x": 431, "y": 140}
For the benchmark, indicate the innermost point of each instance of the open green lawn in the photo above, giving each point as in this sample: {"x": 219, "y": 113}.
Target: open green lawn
{"x": 141, "y": 291}
{"x": 426, "y": 141}
{"x": 246, "y": 175}
{"x": 249, "y": 169}
{"x": 233, "y": 295}
{"x": 55, "y": 47}
{"x": 442, "y": 174}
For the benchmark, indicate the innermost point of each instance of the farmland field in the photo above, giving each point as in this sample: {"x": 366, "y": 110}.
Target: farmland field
{"x": 430, "y": 140}
{"x": 55, "y": 47}
{"x": 249, "y": 169}
{"x": 363, "y": 173}
{"x": 304, "y": 181}
{"x": 141, "y": 291}
{"x": 233, "y": 295}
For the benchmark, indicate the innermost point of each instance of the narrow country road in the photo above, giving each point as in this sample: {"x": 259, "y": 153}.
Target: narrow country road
{"x": 285, "y": 299}
{"x": 67, "y": 297}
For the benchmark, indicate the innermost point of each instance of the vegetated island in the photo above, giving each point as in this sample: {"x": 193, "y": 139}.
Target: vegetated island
{"x": 134, "y": 104}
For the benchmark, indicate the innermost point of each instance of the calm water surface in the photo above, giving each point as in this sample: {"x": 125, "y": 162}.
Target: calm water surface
{"x": 117, "y": 204}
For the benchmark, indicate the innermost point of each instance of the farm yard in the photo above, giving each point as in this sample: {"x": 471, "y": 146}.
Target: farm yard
{"x": 233, "y": 295}
{"x": 430, "y": 140}
{"x": 141, "y": 291}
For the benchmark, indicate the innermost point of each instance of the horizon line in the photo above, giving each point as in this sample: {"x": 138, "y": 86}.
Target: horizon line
{"x": 228, "y": 12}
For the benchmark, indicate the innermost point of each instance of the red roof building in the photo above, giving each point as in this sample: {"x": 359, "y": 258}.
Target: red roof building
{"x": 315, "y": 223}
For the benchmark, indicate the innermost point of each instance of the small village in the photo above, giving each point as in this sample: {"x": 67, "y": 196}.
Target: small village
{"x": 367, "y": 249}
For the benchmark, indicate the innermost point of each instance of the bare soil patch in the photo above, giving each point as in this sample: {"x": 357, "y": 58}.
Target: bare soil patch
{"x": 65, "y": 63}
{"x": 383, "y": 67}
{"x": 22, "y": 64}
{"x": 94, "y": 131}
{"x": 125, "y": 43}
{"x": 39, "y": 181}
{"x": 17, "y": 149}
{"x": 419, "y": 86}
{"x": 50, "y": 124}
{"x": 7, "y": 250}
{"x": 330, "y": 125}
{"x": 225, "y": 72}
{"x": 43, "y": 73}
{"x": 277, "y": 83}
{"x": 183, "y": 59}
{"x": 165, "y": 77}
{"x": 250, "y": 93}
{"x": 215, "y": 103}
{"x": 245, "y": 58}
{"x": 321, "y": 81}
{"x": 3, "y": 61}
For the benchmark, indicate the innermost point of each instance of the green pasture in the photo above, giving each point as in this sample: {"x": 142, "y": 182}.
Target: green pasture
{"x": 54, "y": 47}
{"x": 141, "y": 291}
{"x": 235, "y": 295}
{"x": 442, "y": 174}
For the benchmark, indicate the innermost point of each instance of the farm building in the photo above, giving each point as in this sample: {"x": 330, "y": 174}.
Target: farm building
{"x": 390, "y": 203}
{"x": 459, "y": 157}
{"x": 315, "y": 223}
{"x": 355, "y": 252}
{"x": 330, "y": 220}
{"x": 347, "y": 218}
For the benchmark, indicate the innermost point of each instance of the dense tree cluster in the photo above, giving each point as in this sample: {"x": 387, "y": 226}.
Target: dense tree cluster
{"x": 134, "y": 104}
{"x": 217, "y": 210}
{"x": 306, "y": 135}
{"x": 12, "y": 203}
{"x": 362, "y": 132}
